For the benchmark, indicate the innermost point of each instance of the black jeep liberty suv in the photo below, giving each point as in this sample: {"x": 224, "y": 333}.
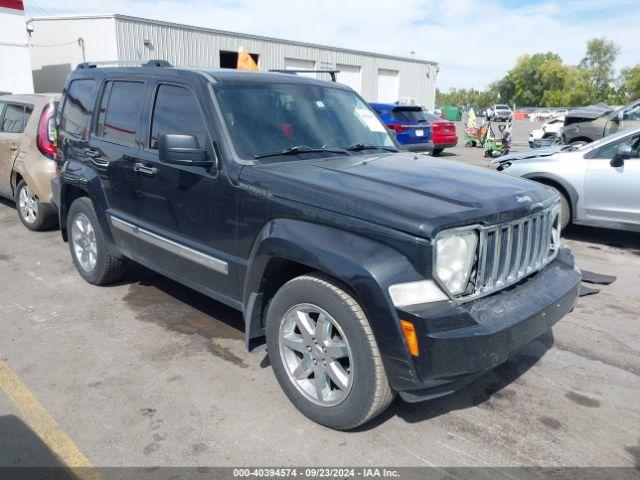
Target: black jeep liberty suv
{"x": 365, "y": 270}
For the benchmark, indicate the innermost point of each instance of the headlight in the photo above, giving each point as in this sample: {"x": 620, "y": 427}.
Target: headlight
{"x": 454, "y": 256}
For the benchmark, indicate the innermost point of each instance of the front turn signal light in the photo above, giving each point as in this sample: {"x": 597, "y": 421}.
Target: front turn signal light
{"x": 410, "y": 336}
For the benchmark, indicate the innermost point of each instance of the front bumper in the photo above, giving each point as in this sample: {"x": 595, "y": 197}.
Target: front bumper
{"x": 460, "y": 342}
{"x": 419, "y": 147}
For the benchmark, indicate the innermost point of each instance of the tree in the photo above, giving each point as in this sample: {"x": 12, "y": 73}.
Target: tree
{"x": 598, "y": 62}
{"x": 628, "y": 85}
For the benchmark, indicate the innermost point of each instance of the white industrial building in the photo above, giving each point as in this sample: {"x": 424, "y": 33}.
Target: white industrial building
{"x": 60, "y": 43}
{"x": 15, "y": 67}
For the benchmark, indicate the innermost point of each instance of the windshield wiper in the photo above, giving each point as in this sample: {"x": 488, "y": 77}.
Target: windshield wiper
{"x": 358, "y": 147}
{"x": 299, "y": 149}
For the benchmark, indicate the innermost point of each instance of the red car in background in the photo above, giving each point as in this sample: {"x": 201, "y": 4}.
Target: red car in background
{"x": 443, "y": 133}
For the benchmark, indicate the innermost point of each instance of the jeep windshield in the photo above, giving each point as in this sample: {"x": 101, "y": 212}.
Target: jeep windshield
{"x": 283, "y": 121}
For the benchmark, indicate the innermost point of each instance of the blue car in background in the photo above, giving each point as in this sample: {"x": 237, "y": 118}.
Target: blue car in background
{"x": 412, "y": 129}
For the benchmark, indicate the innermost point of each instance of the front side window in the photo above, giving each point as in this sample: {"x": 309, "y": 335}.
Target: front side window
{"x": 119, "y": 111}
{"x": 78, "y": 105}
{"x": 14, "y": 119}
{"x": 176, "y": 110}
{"x": 272, "y": 117}
{"x": 608, "y": 151}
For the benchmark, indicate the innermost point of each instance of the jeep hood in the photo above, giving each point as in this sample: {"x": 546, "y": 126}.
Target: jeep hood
{"x": 416, "y": 194}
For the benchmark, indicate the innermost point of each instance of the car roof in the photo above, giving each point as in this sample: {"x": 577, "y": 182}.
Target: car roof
{"x": 217, "y": 76}
{"x": 30, "y": 98}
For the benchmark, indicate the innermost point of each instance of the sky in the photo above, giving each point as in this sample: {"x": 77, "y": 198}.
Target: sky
{"x": 475, "y": 42}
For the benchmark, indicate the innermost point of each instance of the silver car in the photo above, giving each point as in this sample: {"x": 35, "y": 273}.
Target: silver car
{"x": 599, "y": 182}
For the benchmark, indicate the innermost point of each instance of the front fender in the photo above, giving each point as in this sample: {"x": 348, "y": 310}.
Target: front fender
{"x": 552, "y": 177}
{"x": 367, "y": 267}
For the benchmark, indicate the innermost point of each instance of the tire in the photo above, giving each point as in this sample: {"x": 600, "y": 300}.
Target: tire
{"x": 437, "y": 151}
{"x": 366, "y": 391}
{"x": 102, "y": 264}
{"x": 34, "y": 215}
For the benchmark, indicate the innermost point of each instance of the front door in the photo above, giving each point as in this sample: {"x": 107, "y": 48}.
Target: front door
{"x": 185, "y": 209}
{"x": 613, "y": 193}
{"x": 12, "y": 122}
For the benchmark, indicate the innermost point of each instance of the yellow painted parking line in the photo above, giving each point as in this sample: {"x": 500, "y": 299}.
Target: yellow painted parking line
{"x": 43, "y": 424}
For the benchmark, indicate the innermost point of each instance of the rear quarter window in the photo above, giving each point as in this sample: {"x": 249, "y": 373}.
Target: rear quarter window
{"x": 76, "y": 111}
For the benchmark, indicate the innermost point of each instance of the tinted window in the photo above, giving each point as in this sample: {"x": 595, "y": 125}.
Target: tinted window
{"x": 176, "y": 110}
{"x": 119, "y": 111}
{"x": 14, "y": 119}
{"x": 270, "y": 117}
{"x": 407, "y": 115}
{"x": 632, "y": 113}
{"x": 76, "y": 113}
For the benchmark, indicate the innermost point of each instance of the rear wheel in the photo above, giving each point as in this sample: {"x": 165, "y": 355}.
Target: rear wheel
{"x": 33, "y": 214}
{"x": 324, "y": 353}
{"x": 95, "y": 259}
{"x": 437, "y": 151}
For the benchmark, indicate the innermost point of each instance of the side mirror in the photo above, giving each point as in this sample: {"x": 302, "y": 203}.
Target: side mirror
{"x": 623, "y": 153}
{"x": 620, "y": 116}
{"x": 178, "y": 149}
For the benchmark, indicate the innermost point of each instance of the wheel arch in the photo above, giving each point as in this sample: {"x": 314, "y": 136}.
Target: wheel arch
{"x": 83, "y": 182}
{"x": 558, "y": 183}
{"x": 288, "y": 248}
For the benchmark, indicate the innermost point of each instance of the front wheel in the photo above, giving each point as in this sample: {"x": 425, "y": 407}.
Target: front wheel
{"x": 324, "y": 354}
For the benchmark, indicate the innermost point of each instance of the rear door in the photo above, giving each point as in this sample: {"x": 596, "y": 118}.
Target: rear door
{"x": 13, "y": 119}
{"x": 612, "y": 193}
{"x": 113, "y": 150}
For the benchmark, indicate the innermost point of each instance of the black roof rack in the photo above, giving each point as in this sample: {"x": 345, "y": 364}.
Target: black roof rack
{"x": 124, "y": 63}
{"x": 296, "y": 71}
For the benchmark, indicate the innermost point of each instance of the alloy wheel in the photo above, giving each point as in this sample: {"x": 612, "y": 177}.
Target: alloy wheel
{"x": 84, "y": 242}
{"x": 316, "y": 354}
{"x": 28, "y": 205}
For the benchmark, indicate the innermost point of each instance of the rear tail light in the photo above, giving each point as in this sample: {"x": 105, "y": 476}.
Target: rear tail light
{"x": 396, "y": 127}
{"x": 46, "y": 137}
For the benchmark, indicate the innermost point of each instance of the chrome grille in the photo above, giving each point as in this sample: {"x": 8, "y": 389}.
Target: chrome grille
{"x": 510, "y": 251}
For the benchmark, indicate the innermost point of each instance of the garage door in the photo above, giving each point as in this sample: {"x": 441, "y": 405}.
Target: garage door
{"x": 349, "y": 75}
{"x": 387, "y": 86}
{"x": 297, "y": 64}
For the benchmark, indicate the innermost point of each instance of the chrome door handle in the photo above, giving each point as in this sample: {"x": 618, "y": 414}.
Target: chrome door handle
{"x": 143, "y": 169}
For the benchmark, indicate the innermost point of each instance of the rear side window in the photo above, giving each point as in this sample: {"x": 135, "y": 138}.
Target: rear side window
{"x": 76, "y": 111}
{"x": 15, "y": 118}
{"x": 119, "y": 111}
{"x": 176, "y": 110}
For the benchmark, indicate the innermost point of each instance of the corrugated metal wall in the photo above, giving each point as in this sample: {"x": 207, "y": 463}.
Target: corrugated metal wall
{"x": 190, "y": 46}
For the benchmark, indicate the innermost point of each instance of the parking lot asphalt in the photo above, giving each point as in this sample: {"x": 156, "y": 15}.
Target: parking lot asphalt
{"x": 148, "y": 372}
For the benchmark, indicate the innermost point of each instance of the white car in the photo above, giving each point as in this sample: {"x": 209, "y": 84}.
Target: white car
{"x": 545, "y": 114}
{"x": 598, "y": 182}
{"x": 549, "y": 129}
{"x": 500, "y": 113}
